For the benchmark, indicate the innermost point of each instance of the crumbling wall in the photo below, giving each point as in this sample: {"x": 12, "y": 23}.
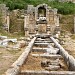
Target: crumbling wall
{"x": 16, "y": 21}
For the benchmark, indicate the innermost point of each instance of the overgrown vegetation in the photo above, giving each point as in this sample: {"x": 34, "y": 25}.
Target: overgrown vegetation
{"x": 63, "y": 8}
{"x": 66, "y": 23}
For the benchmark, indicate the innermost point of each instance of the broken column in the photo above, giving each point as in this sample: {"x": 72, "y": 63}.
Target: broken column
{"x": 57, "y": 27}
{"x": 74, "y": 24}
{"x": 26, "y": 20}
{"x": 8, "y": 22}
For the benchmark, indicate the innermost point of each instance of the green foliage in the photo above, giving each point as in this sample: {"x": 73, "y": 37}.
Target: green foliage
{"x": 63, "y": 8}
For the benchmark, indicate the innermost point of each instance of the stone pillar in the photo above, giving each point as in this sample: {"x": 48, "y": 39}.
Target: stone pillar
{"x": 57, "y": 21}
{"x": 74, "y": 24}
{"x": 26, "y": 22}
{"x": 36, "y": 13}
{"x": 47, "y": 15}
{"x": 8, "y": 22}
{"x": 58, "y": 27}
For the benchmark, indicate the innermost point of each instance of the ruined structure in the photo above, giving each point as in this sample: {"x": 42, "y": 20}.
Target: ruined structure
{"x": 4, "y": 16}
{"x": 35, "y": 20}
{"x": 73, "y": 1}
{"x": 17, "y": 21}
{"x": 41, "y": 19}
{"x": 74, "y": 24}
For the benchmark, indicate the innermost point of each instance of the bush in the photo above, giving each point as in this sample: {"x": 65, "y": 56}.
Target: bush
{"x": 63, "y": 8}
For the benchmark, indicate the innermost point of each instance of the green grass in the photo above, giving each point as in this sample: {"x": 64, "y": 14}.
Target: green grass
{"x": 73, "y": 36}
{"x": 14, "y": 51}
{"x": 63, "y": 8}
{"x": 66, "y": 23}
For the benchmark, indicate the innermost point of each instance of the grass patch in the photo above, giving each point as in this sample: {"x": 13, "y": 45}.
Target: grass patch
{"x": 13, "y": 51}
{"x": 73, "y": 36}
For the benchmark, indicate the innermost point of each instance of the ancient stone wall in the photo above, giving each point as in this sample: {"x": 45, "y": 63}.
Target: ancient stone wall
{"x": 74, "y": 24}
{"x": 41, "y": 17}
{"x": 16, "y": 21}
{"x": 4, "y": 17}
{"x": 73, "y": 1}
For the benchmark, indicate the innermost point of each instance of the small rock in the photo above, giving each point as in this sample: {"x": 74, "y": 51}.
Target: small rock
{"x": 52, "y": 68}
{"x": 44, "y": 63}
{"x": 22, "y": 38}
{"x": 0, "y": 52}
{"x": 6, "y": 56}
{"x": 22, "y": 44}
{"x": 3, "y": 37}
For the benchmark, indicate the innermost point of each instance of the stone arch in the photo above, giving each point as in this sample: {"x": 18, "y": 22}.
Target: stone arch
{"x": 41, "y": 12}
{"x": 43, "y": 7}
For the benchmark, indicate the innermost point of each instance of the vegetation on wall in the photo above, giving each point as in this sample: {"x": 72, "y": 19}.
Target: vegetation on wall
{"x": 63, "y": 8}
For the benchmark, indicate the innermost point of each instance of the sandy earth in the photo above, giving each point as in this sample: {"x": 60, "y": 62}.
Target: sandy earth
{"x": 69, "y": 45}
{"x": 7, "y": 58}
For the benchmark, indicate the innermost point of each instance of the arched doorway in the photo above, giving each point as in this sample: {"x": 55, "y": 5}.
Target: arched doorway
{"x": 41, "y": 12}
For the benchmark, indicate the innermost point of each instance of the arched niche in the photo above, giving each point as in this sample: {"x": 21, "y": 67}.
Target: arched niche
{"x": 41, "y": 12}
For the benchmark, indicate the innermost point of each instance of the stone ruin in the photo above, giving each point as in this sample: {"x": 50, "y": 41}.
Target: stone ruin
{"x": 17, "y": 21}
{"x": 41, "y": 19}
{"x": 74, "y": 24}
{"x": 35, "y": 20}
{"x": 4, "y": 16}
{"x": 73, "y": 1}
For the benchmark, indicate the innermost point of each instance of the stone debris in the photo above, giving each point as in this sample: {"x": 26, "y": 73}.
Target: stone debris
{"x": 13, "y": 40}
{"x": 22, "y": 44}
{"x": 52, "y": 68}
{"x": 22, "y": 38}
{"x": 28, "y": 39}
{"x": 51, "y": 64}
{"x": 16, "y": 47}
{"x": 7, "y": 56}
{"x": 4, "y": 43}
{"x": 51, "y": 50}
{"x": 3, "y": 37}
{"x": 46, "y": 63}
{"x": 0, "y": 52}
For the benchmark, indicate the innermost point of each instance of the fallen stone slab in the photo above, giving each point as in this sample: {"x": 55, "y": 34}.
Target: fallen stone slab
{"x": 4, "y": 43}
{"x": 0, "y": 52}
{"x": 15, "y": 67}
{"x": 68, "y": 58}
{"x": 12, "y": 40}
{"x": 52, "y": 68}
{"x": 31, "y": 72}
{"x": 47, "y": 55}
{"x": 46, "y": 63}
{"x": 52, "y": 51}
{"x": 39, "y": 49}
{"x": 3, "y": 37}
{"x": 43, "y": 41}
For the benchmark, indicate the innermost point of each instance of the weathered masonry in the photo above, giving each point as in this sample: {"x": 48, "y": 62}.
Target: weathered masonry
{"x": 43, "y": 56}
{"x": 41, "y": 19}
{"x": 4, "y": 16}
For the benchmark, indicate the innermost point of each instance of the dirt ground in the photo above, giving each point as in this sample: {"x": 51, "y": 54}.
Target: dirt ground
{"x": 7, "y": 58}
{"x": 69, "y": 45}
{"x": 34, "y": 63}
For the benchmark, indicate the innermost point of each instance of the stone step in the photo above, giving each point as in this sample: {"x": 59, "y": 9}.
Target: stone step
{"x": 32, "y": 72}
{"x": 39, "y": 39}
{"x": 43, "y": 35}
{"x": 39, "y": 49}
{"x": 47, "y": 55}
{"x": 43, "y": 41}
{"x": 41, "y": 44}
